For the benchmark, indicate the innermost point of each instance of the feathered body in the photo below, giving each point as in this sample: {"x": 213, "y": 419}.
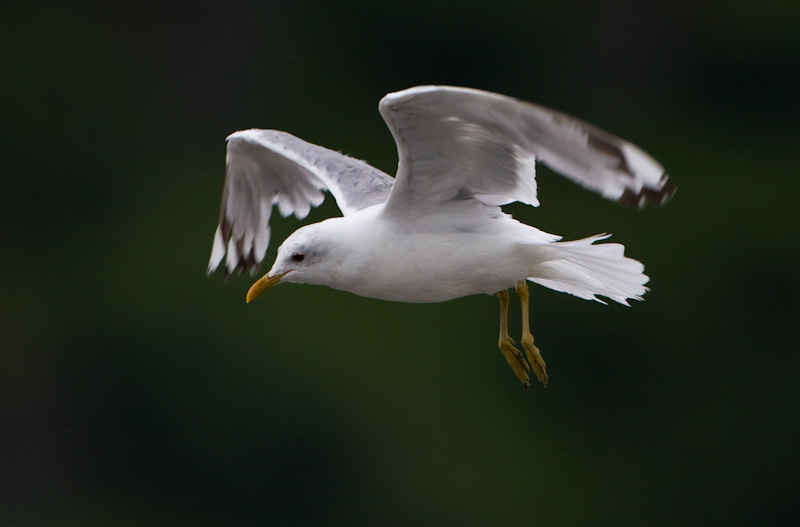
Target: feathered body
{"x": 433, "y": 263}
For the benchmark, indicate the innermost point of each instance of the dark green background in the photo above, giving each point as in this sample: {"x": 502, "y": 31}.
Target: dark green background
{"x": 134, "y": 390}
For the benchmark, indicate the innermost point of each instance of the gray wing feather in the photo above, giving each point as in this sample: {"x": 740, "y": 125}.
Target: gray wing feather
{"x": 268, "y": 167}
{"x": 456, "y": 143}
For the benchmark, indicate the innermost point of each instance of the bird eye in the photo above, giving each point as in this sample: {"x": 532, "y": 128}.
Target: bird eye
{"x": 298, "y": 257}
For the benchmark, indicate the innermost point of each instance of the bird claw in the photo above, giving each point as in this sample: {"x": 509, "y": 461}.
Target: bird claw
{"x": 535, "y": 358}
{"x": 515, "y": 360}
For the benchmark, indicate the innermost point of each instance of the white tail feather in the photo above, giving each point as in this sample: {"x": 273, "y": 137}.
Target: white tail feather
{"x": 585, "y": 270}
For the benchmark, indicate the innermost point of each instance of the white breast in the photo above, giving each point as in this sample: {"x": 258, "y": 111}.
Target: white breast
{"x": 407, "y": 263}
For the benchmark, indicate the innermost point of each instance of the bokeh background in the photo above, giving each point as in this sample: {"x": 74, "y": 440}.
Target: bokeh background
{"x": 135, "y": 390}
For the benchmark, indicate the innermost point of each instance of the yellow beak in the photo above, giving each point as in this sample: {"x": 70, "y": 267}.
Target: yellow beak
{"x": 264, "y": 283}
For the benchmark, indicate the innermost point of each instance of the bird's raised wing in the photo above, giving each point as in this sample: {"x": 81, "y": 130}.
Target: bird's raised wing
{"x": 268, "y": 167}
{"x": 460, "y": 143}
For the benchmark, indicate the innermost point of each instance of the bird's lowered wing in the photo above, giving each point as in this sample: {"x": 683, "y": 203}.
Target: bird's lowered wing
{"x": 268, "y": 167}
{"x": 460, "y": 143}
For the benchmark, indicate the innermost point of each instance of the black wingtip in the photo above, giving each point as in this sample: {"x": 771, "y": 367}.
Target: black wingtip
{"x": 649, "y": 195}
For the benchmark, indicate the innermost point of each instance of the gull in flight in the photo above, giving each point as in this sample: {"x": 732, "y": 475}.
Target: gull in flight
{"x": 436, "y": 231}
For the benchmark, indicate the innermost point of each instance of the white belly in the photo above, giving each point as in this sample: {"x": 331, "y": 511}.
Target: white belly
{"x": 436, "y": 267}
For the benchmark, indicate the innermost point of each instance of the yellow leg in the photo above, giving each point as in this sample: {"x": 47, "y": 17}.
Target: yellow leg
{"x": 534, "y": 356}
{"x": 506, "y": 343}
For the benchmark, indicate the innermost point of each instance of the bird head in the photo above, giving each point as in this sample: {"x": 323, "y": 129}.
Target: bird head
{"x": 301, "y": 260}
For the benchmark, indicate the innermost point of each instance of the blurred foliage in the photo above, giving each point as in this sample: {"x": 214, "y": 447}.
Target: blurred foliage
{"x": 134, "y": 390}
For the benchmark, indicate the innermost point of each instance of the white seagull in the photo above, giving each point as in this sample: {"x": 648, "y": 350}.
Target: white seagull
{"x": 436, "y": 231}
